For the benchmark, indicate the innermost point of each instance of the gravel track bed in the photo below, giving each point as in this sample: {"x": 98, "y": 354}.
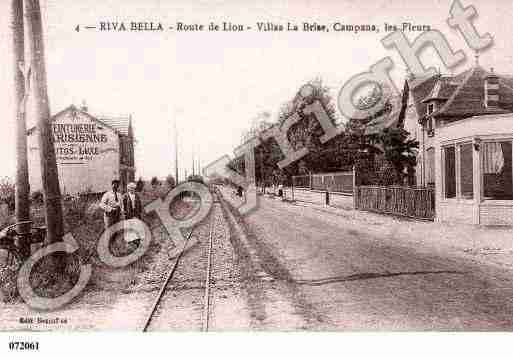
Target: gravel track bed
{"x": 182, "y": 305}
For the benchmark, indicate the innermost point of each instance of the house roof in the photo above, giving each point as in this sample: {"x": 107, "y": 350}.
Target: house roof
{"x": 468, "y": 97}
{"x": 461, "y": 95}
{"x": 443, "y": 88}
{"x": 420, "y": 88}
{"x": 120, "y": 125}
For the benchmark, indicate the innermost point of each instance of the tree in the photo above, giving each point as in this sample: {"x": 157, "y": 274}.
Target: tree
{"x": 154, "y": 181}
{"x": 139, "y": 185}
{"x": 259, "y": 123}
{"x": 302, "y": 168}
{"x": 320, "y": 93}
{"x": 170, "y": 180}
{"x": 267, "y": 156}
{"x": 278, "y": 177}
{"x": 37, "y": 197}
{"x": 386, "y": 157}
{"x": 21, "y": 88}
{"x": 400, "y": 153}
{"x": 305, "y": 133}
{"x": 7, "y": 192}
{"x": 321, "y": 157}
{"x": 49, "y": 173}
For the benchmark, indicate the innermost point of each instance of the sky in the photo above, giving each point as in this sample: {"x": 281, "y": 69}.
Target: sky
{"x": 214, "y": 83}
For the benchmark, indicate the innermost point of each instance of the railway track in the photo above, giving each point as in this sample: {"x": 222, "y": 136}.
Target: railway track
{"x": 207, "y": 286}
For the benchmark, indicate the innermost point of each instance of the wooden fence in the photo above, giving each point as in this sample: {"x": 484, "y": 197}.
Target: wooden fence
{"x": 402, "y": 201}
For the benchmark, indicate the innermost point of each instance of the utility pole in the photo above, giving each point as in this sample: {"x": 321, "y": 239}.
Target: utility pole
{"x": 193, "y": 172}
{"x": 176, "y": 155}
{"x": 21, "y": 89}
{"x": 199, "y": 163}
{"x": 49, "y": 173}
{"x": 261, "y": 162}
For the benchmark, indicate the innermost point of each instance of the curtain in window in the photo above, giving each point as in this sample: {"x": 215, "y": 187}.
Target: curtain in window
{"x": 493, "y": 158}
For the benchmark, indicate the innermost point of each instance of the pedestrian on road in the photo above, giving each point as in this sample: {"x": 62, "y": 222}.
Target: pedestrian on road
{"x": 112, "y": 205}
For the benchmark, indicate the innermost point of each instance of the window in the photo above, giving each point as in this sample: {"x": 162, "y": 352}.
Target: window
{"x": 450, "y": 172}
{"x": 497, "y": 170}
{"x": 430, "y": 108}
{"x": 459, "y": 171}
{"x": 466, "y": 171}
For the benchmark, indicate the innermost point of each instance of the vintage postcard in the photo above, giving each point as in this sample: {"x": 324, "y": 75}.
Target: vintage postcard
{"x": 273, "y": 166}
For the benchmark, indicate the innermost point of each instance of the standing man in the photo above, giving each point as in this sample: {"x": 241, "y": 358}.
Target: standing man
{"x": 132, "y": 207}
{"x": 112, "y": 205}
{"x": 132, "y": 204}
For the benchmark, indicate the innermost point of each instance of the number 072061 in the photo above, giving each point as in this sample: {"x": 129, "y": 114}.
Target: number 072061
{"x": 23, "y": 345}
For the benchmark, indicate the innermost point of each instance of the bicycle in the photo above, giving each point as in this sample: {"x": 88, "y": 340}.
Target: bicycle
{"x": 10, "y": 255}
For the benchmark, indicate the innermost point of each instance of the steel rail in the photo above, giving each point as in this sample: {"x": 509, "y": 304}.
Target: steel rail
{"x": 205, "y": 320}
{"x": 206, "y": 306}
{"x": 166, "y": 282}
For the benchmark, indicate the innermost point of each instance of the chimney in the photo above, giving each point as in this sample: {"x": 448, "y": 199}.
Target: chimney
{"x": 491, "y": 90}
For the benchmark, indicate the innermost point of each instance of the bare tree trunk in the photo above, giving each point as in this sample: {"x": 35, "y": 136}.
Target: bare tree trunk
{"x": 49, "y": 174}
{"x": 21, "y": 93}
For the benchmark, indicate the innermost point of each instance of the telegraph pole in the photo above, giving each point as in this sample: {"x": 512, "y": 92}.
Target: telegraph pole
{"x": 193, "y": 168}
{"x": 199, "y": 163}
{"x": 261, "y": 162}
{"x": 49, "y": 173}
{"x": 21, "y": 89}
{"x": 176, "y": 155}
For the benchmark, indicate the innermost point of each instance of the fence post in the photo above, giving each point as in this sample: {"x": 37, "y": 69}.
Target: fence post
{"x": 310, "y": 179}
{"x": 327, "y": 197}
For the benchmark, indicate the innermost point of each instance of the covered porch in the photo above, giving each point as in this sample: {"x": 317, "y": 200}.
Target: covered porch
{"x": 474, "y": 171}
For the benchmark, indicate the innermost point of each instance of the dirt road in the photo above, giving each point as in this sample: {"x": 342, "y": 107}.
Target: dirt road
{"x": 330, "y": 275}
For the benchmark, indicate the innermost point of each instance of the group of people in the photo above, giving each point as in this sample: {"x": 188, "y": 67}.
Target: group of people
{"x": 117, "y": 206}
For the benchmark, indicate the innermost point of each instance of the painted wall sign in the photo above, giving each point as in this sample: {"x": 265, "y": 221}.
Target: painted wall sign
{"x": 87, "y": 153}
{"x": 78, "y": 141}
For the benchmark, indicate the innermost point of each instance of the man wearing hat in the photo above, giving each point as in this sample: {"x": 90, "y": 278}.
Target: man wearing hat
{"x": 112, "y": 205}
{"x": 132, "y": 203}
{"x": 132, "y": 207}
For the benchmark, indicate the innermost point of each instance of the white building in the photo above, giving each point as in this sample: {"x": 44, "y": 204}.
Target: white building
{"x": 464, "y": 124}
{"x": 90, "y": 151}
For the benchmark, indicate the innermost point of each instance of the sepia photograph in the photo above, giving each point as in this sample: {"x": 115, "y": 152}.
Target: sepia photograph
{"x": 315, "y": 168}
